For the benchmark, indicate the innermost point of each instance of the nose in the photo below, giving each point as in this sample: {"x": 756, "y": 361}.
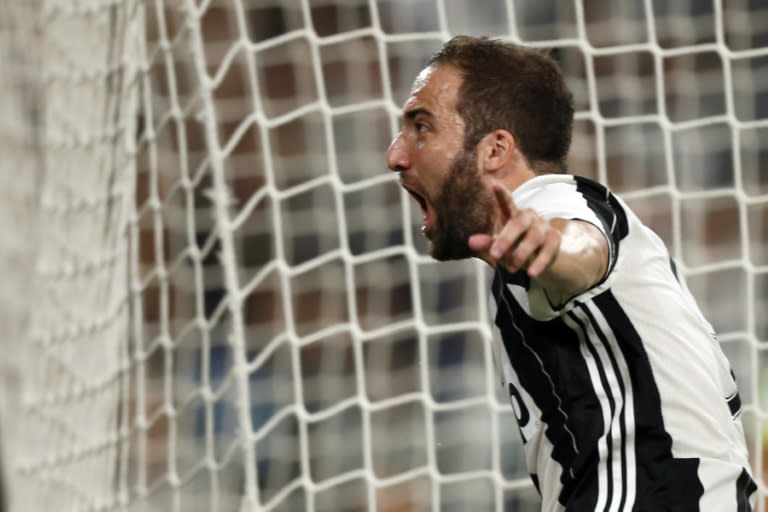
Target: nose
{"x": 397, "y": 156}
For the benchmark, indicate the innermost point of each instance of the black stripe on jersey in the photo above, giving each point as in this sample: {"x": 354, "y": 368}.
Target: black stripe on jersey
{"x": 536, "y": 364}
{"x": 608, "y": 209}
{"x": 745, "y": 486}
{"x": 734, "y": 401}
{"x": 673, "y": 266}
{"x": 734, "y": 404}
{"x": 551, "y": 369}
{"x": 535, "y": 480}
{"x": 661, "y": 479}
{"x": 520, "y": 278}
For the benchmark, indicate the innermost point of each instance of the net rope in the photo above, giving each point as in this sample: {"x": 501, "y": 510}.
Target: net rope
{"x": 218, "y": 296}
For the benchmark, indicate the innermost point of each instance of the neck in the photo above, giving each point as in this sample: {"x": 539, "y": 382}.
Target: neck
{"x": 517, "y": 176}
{"x": 543, "y": 167}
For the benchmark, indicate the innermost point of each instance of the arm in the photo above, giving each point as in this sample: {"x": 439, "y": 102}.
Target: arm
{"x": 565, "y": 256}
{"x": 580, "y": 262}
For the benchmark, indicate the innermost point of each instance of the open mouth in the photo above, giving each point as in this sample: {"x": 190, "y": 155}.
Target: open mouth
{"x": 426, "y": 226}
{"x": 419, "y": 199}
{"x": 417, "y": 196}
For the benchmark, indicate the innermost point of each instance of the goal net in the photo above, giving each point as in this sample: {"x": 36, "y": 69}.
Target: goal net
{"x": 215, "y": 296}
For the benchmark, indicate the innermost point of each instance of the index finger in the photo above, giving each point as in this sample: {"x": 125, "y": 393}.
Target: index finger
{"x": 506, "y": 203}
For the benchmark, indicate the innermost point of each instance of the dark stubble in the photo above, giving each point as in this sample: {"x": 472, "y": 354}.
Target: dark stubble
{"x": 463, "y": 208}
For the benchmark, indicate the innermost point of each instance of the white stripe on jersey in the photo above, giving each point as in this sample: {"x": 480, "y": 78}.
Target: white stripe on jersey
{"x": 627, "y": 445}
{"x": 603, "y": 472}
{"x": 603, "y": 355}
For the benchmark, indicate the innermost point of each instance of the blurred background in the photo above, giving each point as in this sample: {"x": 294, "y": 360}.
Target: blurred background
{"x": 216, "y": 297}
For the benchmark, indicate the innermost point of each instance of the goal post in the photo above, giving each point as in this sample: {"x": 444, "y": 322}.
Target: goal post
{"x": 68, "y": 170}
{"x": 216, "y": 297}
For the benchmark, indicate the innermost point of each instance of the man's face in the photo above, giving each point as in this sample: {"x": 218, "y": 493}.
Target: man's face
{"x": 434, "y": 167}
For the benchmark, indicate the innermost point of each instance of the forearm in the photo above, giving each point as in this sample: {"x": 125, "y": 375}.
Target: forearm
{"x": 566, "y": 257}
{"x": 580, "y": 262}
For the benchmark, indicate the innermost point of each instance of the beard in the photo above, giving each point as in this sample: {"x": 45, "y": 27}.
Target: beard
{"x": 463, "y": 208}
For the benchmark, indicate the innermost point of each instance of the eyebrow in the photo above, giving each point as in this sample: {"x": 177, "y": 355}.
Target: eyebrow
{"x": 414, "y": 112}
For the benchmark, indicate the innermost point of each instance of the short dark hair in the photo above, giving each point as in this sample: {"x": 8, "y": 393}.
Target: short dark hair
{"x": 512, "y": 87}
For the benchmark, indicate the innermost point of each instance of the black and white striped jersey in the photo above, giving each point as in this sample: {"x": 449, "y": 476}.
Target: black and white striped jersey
{"x": 624, "y": 399}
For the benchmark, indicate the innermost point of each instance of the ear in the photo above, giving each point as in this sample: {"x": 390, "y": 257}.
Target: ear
{"x": 495, "y": 150}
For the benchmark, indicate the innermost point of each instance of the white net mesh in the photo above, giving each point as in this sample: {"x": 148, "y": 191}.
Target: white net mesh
{"x": 217, "y": 298}
{"x": 67, "y": 152}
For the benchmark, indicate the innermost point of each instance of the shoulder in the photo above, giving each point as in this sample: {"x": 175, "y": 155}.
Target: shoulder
{"x": 544, "y": 187}
{"x": 567, "y": 197}
{"x": 573, "y": 197}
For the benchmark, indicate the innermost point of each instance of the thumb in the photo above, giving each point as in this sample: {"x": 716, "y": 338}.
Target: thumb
{"x": 481, "y": 243}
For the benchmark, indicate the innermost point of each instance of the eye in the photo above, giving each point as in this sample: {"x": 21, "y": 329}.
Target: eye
{"x": 421, "y": 127}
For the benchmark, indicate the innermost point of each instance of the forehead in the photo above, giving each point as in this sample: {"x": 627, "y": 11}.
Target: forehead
{"x": 435, "y": 89}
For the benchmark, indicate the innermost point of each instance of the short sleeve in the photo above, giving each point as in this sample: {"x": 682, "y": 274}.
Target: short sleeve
{"x": 574, "y": 197}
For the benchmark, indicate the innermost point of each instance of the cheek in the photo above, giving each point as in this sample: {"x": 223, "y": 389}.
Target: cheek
{"x": 448, "y": 149}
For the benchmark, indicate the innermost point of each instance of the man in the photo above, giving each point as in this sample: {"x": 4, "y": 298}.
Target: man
{"x": 623, "y": 397}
